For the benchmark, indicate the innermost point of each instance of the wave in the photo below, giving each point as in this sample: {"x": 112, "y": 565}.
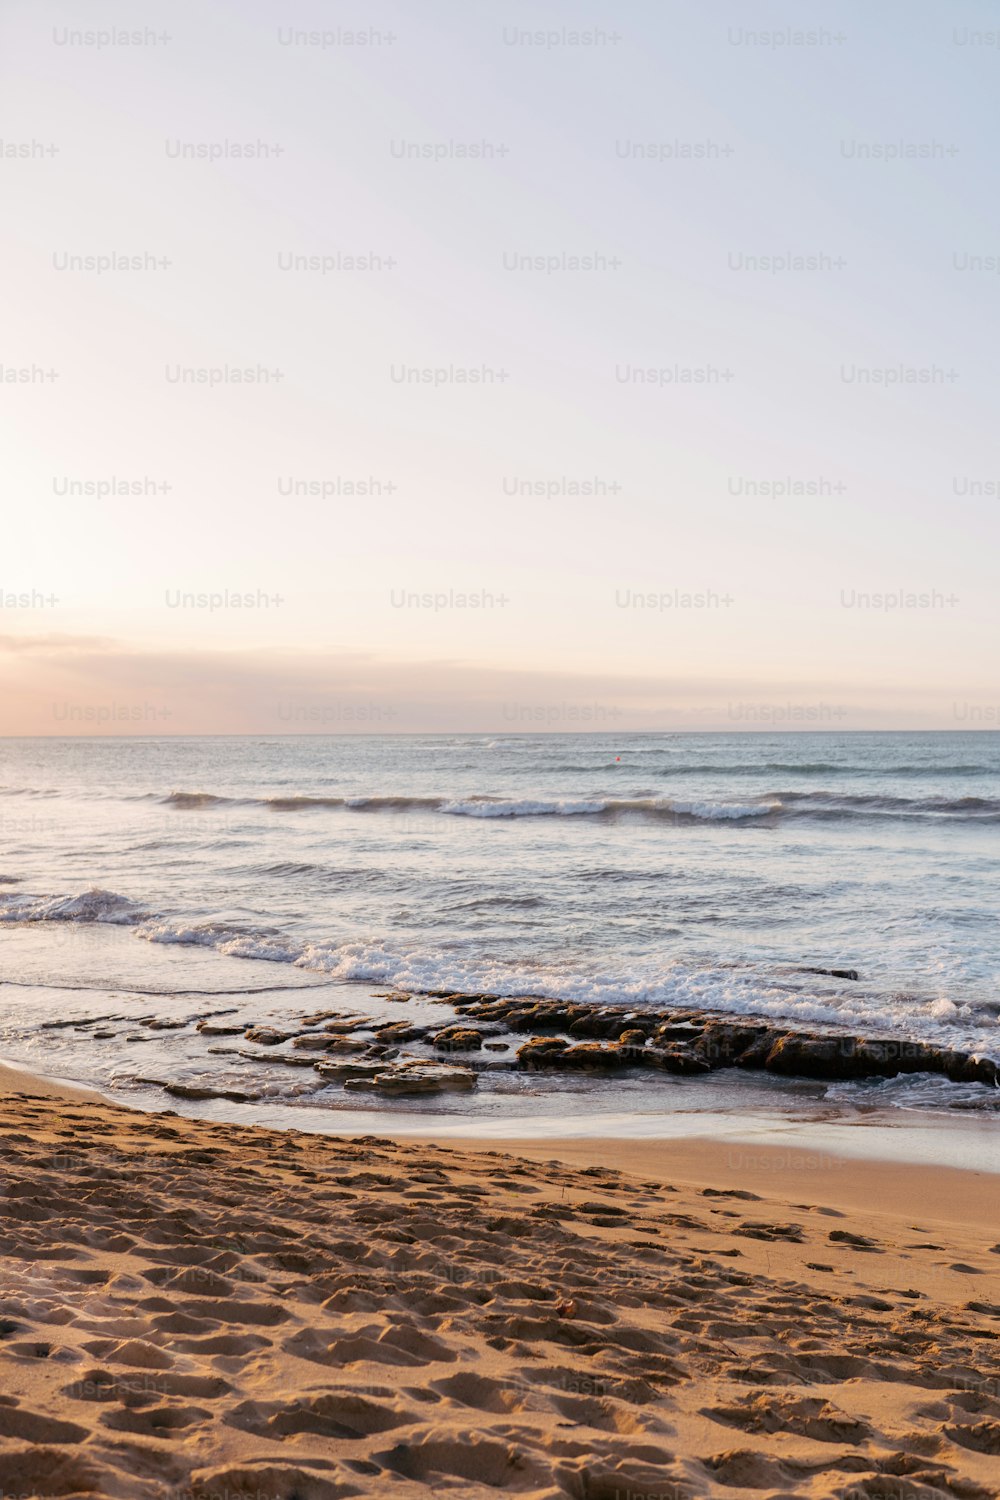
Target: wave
{"x": 291, "y": 867}
{"x": 795, "y": 801}
{"x": 877, "y": 802}
{"x": 768, "y": 990}
{"x": 789, "y": 803}
{"x": 193, "y": 799}
{"x": 485, "y": 805}
{"x": 917, "y": 1091}
{"x": 499, "y": 807}
{"x": 93, "y": 905}
{"x": 786, "y": 804}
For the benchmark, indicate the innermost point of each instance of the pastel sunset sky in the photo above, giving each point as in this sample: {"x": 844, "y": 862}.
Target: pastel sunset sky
{"x": 612, "y": 366}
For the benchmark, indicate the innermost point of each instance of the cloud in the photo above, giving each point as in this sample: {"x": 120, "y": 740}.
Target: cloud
{"x": 57, "y": 644}
{"x": 57, "y": 685}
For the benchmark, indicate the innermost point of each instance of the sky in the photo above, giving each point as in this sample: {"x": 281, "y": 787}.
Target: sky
{"x": 467, "y": 367}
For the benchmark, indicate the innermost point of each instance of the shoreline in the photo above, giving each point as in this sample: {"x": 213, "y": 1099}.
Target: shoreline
{"x": 786, "y": 1155}
{"x": 17, "y": 1079}
{"x": 964, "y": 1145}
{"x": 221, "y": 1037}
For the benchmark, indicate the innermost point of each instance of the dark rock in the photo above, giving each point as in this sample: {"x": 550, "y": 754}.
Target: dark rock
{"x": 595, "y": 1025}
{"x": 885, "y": 1057}
{"x": 682, "y": 1041}
{"x": 266, "y": 1036}
{"x": 811, "y": 1057}
{"x": 551, "y": 1052}
{"x": 963, "y": 1067}
{"x": 270, "y": 1059}
{"x": 459, "y": 1039}
{"x": 401, "y": 1031}
{"x": 196, "y": 1091}
{"x": 540, "y": 1051}
{"x": 834, "y": 973}
{"x": 674, "y": 1060}
{"x": 682, "y": 1031}
{"x": 536, "y": 1017}
{"x": 840, "y": 1057}
{"x": 722, "y": 1045}
{"x": 516, "y": 1018}
{"x": 758, "y": 1052}
{"x": 417, "y": 1078}
{"x": 589, "y": 1055}
{"x": 349, "y": 1069}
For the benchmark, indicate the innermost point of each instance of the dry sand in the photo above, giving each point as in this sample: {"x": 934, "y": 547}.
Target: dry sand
{"x": 198, "y": 1310}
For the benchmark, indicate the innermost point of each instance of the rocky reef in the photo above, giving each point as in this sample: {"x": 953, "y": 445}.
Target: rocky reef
{"x": 495, "y": 1034}
{"x": 569, "y": 1035}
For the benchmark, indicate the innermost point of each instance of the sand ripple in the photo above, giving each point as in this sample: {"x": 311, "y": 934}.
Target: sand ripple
{"x": 201, "y": 1312}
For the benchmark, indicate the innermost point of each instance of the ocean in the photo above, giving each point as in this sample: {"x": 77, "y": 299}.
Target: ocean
{"x": 153, "y": 881}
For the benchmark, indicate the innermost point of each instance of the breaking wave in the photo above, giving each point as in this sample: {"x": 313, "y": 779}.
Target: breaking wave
{"x": 768, "y": 990}
{"x": 783, "y": 805}
{"x": 93, "y": 905}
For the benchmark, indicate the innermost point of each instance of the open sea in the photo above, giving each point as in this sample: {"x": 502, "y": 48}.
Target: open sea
{"x": 161, "y": 880}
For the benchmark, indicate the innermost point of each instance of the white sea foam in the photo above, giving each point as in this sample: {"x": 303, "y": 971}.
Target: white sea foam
{"x": 916, "y": 1091}
{"x": 750, "y": 990}
{"x": 482, "y": 807}
{"x": 233, "y": 941}
{"x": 712, "y": 811}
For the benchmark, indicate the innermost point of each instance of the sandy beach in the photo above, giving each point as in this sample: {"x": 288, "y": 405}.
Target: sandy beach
{"x": 499, "y": 753}
{"x": 211, "y": 1310}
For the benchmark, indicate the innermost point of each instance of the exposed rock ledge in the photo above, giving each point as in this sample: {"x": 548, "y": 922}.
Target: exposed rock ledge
{"x": 571, "y": 1035}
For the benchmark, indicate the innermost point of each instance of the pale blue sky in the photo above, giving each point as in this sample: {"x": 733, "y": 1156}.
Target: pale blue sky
{"x": 905, "y": 473}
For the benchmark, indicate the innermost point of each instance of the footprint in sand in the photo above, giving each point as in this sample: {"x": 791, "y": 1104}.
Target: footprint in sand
{"x": 31, "y": 1427}
{"x": 267, "y": 1482}
{"x": 46, "y": 1471}
{"x": 344, "y": 1414}
{"x": 808, "y": 1416}
{"x": 160, "y": 1422}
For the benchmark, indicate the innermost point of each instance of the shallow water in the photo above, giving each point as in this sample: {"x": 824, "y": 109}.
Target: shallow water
{"x": 704, "y": 870}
